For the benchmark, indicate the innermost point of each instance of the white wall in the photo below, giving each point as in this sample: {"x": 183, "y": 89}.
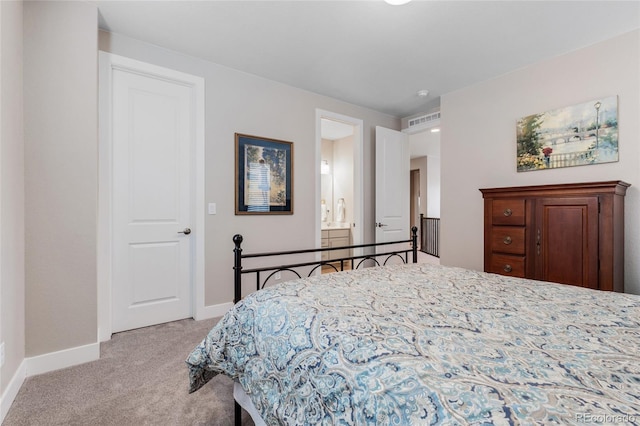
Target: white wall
{"x": 60, "y": 111}
{"x": 239, "y": 102}
{"x": 326, "y": 180}
{"x": 427, "y": 143}
{"x": 343, "y": 176}
{"x": 479, "y": 141}
{"x": 2, "y": 410}
{"x": 433, "y": 186}
{"x": 12, "y": 281}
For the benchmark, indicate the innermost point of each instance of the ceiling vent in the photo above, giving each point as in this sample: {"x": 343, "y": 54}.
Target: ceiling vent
{"x": 423, "y": 122}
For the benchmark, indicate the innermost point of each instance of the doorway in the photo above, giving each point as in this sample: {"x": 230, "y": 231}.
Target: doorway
{"x": 339, "y": 181}
{"x": 425, "y": 157}
{"x": 151, "y": 225}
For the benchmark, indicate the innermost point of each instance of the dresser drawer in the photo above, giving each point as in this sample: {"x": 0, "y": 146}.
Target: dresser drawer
{"x": 507, "y": 265}
{"x": 508, "y": 212}
{"x": 507, "y": 239}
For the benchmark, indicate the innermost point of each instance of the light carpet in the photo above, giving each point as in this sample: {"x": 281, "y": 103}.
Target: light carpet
{"x": 140, "y": 379}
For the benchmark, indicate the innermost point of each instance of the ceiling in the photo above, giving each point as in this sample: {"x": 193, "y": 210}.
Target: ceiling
{"x": 370, "y": 53}
{"x": 334, "y": 130}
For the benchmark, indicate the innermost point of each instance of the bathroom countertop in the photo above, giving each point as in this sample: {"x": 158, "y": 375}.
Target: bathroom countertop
{"x": 334, "y": 225}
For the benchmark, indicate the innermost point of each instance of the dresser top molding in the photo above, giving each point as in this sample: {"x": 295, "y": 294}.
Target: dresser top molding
{"x": 616, "y": 187}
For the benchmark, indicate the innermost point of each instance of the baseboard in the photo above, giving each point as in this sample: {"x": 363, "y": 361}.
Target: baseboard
{"x": 12, "y": 390}
{"x": 212, "y": 311}
{"x": 62, "y": 359}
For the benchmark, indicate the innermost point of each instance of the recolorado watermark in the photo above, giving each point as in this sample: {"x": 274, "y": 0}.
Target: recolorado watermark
{"x": 607, "y": 418}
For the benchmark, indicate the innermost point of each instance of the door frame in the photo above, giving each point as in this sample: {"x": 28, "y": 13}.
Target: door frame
{"x": 107, "y": 63}
{"x": 358, "y": 173}
{"x": 415, "y": 198}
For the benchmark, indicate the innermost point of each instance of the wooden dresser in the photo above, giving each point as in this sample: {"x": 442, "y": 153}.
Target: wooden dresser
{"x": 566, "y": 233}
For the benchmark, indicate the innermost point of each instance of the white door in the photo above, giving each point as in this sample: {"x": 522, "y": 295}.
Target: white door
{"x": 392, "y": 186}
{"x": 153, "y": 141}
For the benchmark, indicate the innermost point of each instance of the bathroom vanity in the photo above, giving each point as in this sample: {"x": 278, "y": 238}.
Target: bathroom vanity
{"x": 336, "y": 236}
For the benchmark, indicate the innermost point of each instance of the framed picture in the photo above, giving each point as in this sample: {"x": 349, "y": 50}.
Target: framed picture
{"x": 578, "y": 135}
{"x": 264, "y": 175}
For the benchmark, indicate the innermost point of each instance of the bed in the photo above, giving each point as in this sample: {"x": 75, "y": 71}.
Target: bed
{"x": 426, "y": 344}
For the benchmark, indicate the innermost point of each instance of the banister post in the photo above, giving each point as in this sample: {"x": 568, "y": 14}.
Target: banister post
{"x": 237, "y": 269}
{"x": 414, "y": 242}
{"x": 237, "y": 295}
{"x": 421, "y": 228}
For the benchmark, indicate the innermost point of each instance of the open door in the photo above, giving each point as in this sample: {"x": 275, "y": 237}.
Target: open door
{"x": 392, "y": 185}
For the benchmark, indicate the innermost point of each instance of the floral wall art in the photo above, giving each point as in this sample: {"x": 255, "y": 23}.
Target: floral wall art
{"x": 578, "y": 135}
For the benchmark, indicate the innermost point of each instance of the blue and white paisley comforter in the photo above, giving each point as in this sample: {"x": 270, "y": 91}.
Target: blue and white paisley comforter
{"x": 422, "y": 344}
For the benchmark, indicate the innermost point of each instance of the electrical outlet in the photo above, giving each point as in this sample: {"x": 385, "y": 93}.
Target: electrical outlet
{"x": 278, "y": 275}
{"x": 1, "y": 354}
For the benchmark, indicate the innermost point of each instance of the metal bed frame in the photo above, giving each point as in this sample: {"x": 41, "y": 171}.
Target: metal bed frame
{"x": 272, "y": 270}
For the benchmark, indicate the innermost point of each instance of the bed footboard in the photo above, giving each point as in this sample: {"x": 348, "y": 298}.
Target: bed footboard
{"x": 377, "y": 258}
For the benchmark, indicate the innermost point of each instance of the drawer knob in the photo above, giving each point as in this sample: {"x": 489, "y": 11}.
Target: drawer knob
{"x": 507, "y": 240}
{"x": 508, "y": 212}
{"x": 508, "y": 268}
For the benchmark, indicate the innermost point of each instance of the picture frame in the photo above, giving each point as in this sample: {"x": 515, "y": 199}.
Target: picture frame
{"x": 264, "y": 175}
{"x": 577, "y": 135}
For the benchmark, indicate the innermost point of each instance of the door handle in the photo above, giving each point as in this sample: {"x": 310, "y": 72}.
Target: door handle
{"x": 186, "y": 231}
{"x": 380, "y": 225}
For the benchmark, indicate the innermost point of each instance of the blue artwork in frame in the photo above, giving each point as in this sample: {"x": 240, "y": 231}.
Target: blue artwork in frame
{"x": 264, "y": 175}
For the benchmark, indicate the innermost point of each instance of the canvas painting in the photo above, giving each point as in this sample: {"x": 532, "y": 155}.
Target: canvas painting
{"x": 578, "y": 135}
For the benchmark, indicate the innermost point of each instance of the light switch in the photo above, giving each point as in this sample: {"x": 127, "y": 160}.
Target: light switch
{"x": 212, "y": 208}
